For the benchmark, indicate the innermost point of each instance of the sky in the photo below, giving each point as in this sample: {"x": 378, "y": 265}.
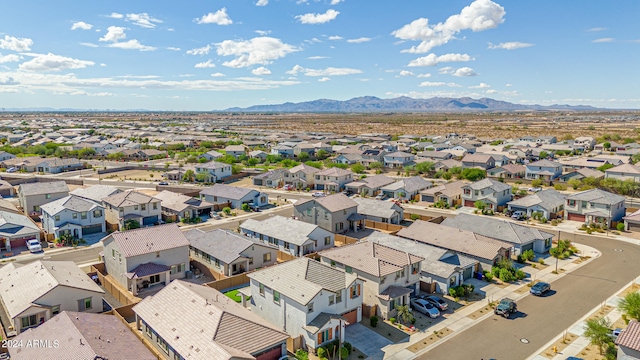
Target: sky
{"x": 212, "y": 55}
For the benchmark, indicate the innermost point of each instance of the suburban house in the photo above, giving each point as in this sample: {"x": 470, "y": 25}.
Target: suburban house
{"x": 545, "y": 170}
{"x": 348, "y": 159}
{"x": 272, "y": 178}
{"x": 585, "y": 141}
{"x": 435, "y": 155}
{"x": 520, "y": 237}
{"x": 443, "y": 267}
{"x": 486, "y": 250}
{"x": 292, "y": 236}
{"x": 190, "y": 321}
{"x": 179, "y": 207}
{"x": 283, "y": 151}
{"x": 74, "y": 216}
{"x": 211, "y": 155}
{"x": 406, "y": 189}
{"x": 6, "y": 156}
{"x": 34, "y": 195}
{"x": 381, "y": 211}
{"x": 623, "y": 172}
{"x": 494, "y": 193}
{"x": 508, "y": 171}
{"x": 16, "y": 229}
{"x": 131, "y": 206}
{"x": 100, "y": 337}
{"x": 332, "y": 179}
{"x": 336, "y": 213}
{"x": 629, "y": 342}
{"x": 144, "y": 257}
{"x": 258, "y": 154}
{"x": 236, "y": 150}
{"x": 229, "y": 253}
{"x": 55, "y": 165}
{"x": 632, "y": 221}
{"x": 481, "y": 161}
{"x": 390, "y": 276}
{"x": 300, "y": 176}
{"x": 307, "y": 299}
{"x": 594, "y": 206}
{"x": 581, "y": 174}
{"x": 6, "y": 189}
{"x": 32, "y": 294}
{"x": 398, "y": 159}
{"x": 213, "y": 171}
{"x": 370, "y": 186}
{"x": 234, "y": 195}
{"x": 96, "y": 192}
{"x": 449, "y": 193}
{"x": 548, "y": 202}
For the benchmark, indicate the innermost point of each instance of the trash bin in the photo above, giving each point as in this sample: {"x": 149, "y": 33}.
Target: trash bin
{"x": 479, "y": 275}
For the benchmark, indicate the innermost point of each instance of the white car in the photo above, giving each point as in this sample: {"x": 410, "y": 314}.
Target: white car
{"x": 425, "y": 307}
{"x": 11, "y": 169}
{"x": 34, "y": 245}
{"x": 318, "y": 194}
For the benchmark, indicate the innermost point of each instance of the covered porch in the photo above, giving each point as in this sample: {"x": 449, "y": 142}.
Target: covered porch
{"x": 391, "y": 297}
{"x": 68, "y": 229}
{"x": 598, "y": 217}
{"x": 323, "y": 329}
{"x": 356, "y": 222}
{"x": 147, "y": 275}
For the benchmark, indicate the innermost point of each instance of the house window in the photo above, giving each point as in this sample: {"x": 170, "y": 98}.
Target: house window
{"x": 97, "y": 213}
{"x": 57, "y": 217}
{"x": 83, "y": 215}
{"x": 355, "y": 291}
{"x": 74, "y": 215}
{"x": 154, "y": 279}
{"x": 217, "y": 263}
{"x": 400, "y": 273}
{"x": 147, "y": 330}
{"x": 178, "y": 268}
{"x": 55, "y": 310}
{"x": 250, "y": 261}
{"x": 339, "y": 297}
{"x": 157, "y": 254}
{"x": 262, "y": 289}
{"x": 547, "y": 243}
{"x": 309, "y": 212}
{"x": 414, "y": 269}
{"x": 47, "y": 196}
{"x": 310, "y": 308}
{"x": 143, "y": 207}
{"x": 348, "y": 269}
{"x": 113, "y": 253}
{"x": 276, "y": 297}
{"x": 382, "y": 279}
{"x": 287, "y": 245}
{"x": 332, "y": 299}
{"x": 266, "y": 257}
{"x": 135, "y": 207}
{"x": 36, "y": 208}
{"x": 29, "y": 321}
{"x": 571, "y": 203}
{"x": 327, "y": 240}
{"x": 84, "y": 304}
{"x": 333, "y": 263}
{"x": 163, "y": 344}
{"x": 155, "y": 206}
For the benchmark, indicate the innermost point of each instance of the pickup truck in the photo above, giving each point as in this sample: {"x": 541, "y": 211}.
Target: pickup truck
{"x": 506, "y": 307}
{"x": 34, "y": 245}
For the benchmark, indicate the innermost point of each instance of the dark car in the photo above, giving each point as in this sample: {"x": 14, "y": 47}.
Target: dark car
{"x": 437, "y": 302}
{"x": 163, "y": 183}
{"x": 506, "y": 307}
{"x": 540, "y": 288}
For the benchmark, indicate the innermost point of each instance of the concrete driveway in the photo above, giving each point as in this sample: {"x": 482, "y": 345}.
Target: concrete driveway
{"x": 366, "y": 340}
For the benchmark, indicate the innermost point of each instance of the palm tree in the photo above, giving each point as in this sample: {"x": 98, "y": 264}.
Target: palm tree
{"x": 404, "y": 313}
{"x": 189, "y": 175}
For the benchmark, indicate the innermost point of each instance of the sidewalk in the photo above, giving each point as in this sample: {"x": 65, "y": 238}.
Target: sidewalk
{"x": 461, "y": 320}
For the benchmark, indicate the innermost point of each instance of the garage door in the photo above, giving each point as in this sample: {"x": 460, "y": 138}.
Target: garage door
{"x": 527, "y": 247}
{"x": 576, "y": 217}
{"x": 467, "y": 274}
{"x": 469, "y": 203}
{"x": 272, "y": 354}
{"x": 633, "y": 226}
{"x": 18, "y": 242}
{"x": 92, "y": 229}
{"x": 427, "y": 198}
{"x": 149, "y": 220}
{"x": 351, "y": 316}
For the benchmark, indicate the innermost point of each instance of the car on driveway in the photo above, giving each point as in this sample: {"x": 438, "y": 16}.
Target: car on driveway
{"x": 518, "y": 215}
{"x": 506, "y": 307}
{"x": 318, "y": 194}
{"x": 214, "y": 215}
{"x": 425, "y": 307}
{"x": 381, "y": 196}
{"x": 437, "y": 302}
{"x": 34, "y": 245}
{"x": 164, "y": 183}
{"x": 11, "y": 169}
{"x": 540, "y": 288}
{"x": 535, "y": 189}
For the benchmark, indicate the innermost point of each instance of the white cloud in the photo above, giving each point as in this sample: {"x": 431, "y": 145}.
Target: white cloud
{"x": 218, "y": 74}
{"x": 263, "y": 32}
{"x": 103, "y": 64}
{"x": 336, "y": 2}
{"x": 261, "y": 71}
{"x": 335, "y": 37}
{"x": 172, "y": 48}
{"x": 478, "y": 16}
{"x": 330, "y": 71}
{"x": 427, "y": 75}
{"x": 491, "y": 91}
{"x": 260, "y": 50}
{"x": 115, "y": 15}
{"x": 510, "y": 45}
{"x": 143, "y": 20}
{"x": 81, "y": 25}
{"x": 447, "y": 70}
{"x": 132, "y": 45}
{"x": 601, "y": 40}
{"x": 406, "y": 73}
{"x": 359, "y": 40}
{"x": 51, "y": 62}
{"x": 432, "y": 83}
{"x": 480, "y": 86}
{"x": 87, "y": 44}
{"x": 220, "y": 17}
{"x": 312, "y": 18}
{"x": 9, "y": 58}
{"x": 324, "y": 79}
{"x": 205, "y": 65}
{"x": 508, "y": 85}
{"x": 596, "y": 29}
{"x": 114, "y": 33}
{"x": 317, "y": 57}
{"x": 200, "y": 51}
{"x": 262, "y": 3}
{"x": 15, "y": 44}
{"x": 433, "y": 59}
{"x": 464, "y": 72}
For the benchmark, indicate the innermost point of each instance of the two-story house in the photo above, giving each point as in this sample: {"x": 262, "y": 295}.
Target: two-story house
{"x": 482, "y": 161}
{"x": 406, "y": 189}
{"x": 229, "y": 253}
{"x": 585, "y": 141}
{"x": 295, "y": 237}
{"x": 336, "y": 213}
{"x": 390, "y": 276}
{"x": 300, "y": 176}
{"x": 398, "y": 159}
{"x": 15, "y": 229}
{"x": 370, "y": 186}
{"x": 594, "y": 206}
{"x": 73, "y": 215}
{"x": 131, "y": 206}
{"x": 623, "y": 172}
{"x": 283, "y": 151}
{"x": 179, "y": 207}
{"x": 234, "y": 195}
{"x": 332, "y": 179}
{"x": 449, "y": 194}
{"x": 191, "y": 321}
{"x": 381, "y": 211}
{"x": 545, "y": 170}
{"x": 494, "y": 193}
{"x": 548, "y": 202}
{"x": 307, "y": 299}
{"x": 145, "y": 257}
{"x": 236, "y": 150}
{"x": 34, "y": 195}
{"x": 213, "y": 171}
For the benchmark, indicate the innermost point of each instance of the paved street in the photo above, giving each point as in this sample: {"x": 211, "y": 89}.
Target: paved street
{"x": 542, "y": 318}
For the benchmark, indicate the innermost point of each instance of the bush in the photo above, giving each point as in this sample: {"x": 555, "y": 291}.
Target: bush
{"x": 415, "y": 217}
{"x": 347, "y": 346}
{"x": 302, "y": 355}
{"x": 488, "y": 276}
{"x": 506, "y": 275}
{"x": 321, "y": 352}
{"x": 344, "y": 352}
{"x": 374, "y": 321}
{"x": 536, "y": 183}
{"x": 541, "y": 261}
{"x": 620, "y": 226}
{"x": 226, "y": 210}
{"x": 392, "y": 320}
{"x": 528, "y": 255}
{"x": 519, "y": 275}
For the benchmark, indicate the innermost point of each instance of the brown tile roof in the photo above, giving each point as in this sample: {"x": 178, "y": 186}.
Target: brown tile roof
{"x": 630, "y": 337}
{"x": 149, "y": 239}
{"x": 375, "y": 259}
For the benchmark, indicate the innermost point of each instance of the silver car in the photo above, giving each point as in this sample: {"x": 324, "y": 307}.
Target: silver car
{"x": 425, "y": 307}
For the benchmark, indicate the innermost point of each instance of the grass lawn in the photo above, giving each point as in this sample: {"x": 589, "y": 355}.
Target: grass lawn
{"x": 235, "y": 296}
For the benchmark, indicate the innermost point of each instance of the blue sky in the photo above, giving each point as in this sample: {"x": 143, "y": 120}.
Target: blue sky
{"x": 211, "y": 55}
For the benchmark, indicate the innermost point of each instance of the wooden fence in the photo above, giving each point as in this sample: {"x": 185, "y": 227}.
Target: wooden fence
{"x": 134, "y": 330}
{"x": 342, "y": 240}
{"x": 229, "y": 282}
{"x": 369, "y": 311}
{"x": 113, "y": 287}
{"x": 410, "y": 216}
{"x": 293, "y": 344}
{"x": 382, "y": 226}
{"x": 284, "y": 256}
{"x": 204, "y": 269}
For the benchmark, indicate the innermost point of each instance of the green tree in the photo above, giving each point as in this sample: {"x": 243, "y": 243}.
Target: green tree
{"x": 473, "y": 174}
{"x": 252, "y": 162}
{"x": 630, "y": 305}
{"x": 480, "y": 205}
{"x": 115, "y": 156}
{"x": 376, "y": 165}
{"x": 131, "y": 224}
{"x": 236, "y": 169}
{"x": 604, "y": 167}
{"x": 404, "y": 313}
{"x": 86, "y": 152}
{"x": 560, "y": 250}
{"x": 447, "y": 175}
{"x": 191, "y": 159}
{"x": 606, "y": 145}
{"x": 227, "y": 159}
{"x": 597, "y": 331}
{"x": 536, "y": 182}
{"x": 574, "y": 183}
{"x": 201, "y": 177}
{"x": 424, "y": 167}
{"x": 271, "y": 158}
{"x": 303, "y": 156}
{"x": 189, "y": 175}
{"x": 322, "y": 154}
{"x": 357, "y": 168}
{"x": 544, "y": 154}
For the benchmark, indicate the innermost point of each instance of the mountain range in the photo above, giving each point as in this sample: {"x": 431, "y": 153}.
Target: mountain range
{"x": 404, "y": 104}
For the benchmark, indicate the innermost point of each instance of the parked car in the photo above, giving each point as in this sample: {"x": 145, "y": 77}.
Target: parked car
{"x": 34, "y": 245}
{"x": 425, "y": 307}
{"x": 506, "y": 307}
{"x": 163, "y": 183}
{"x": 615, "y": 333}
{"x": 318, "y": 194}
{"x": 381, "y": 196}
{"x": 288, "y": 187}
{"x": 214, "y": 215}
{"x": 540, "y": 288}
{"x": 518, "y": 215}
{"x": 535, "y": 189}
{"x": 11, "y": 169}
{"x": 437, "y": 302}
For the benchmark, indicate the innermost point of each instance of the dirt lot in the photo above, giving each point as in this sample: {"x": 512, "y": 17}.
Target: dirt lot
{"x": 140, "y": 175}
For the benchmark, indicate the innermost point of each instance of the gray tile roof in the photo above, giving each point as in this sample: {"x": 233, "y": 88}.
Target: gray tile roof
{"x": 320, "y": 321}
{"x": 212, "y": 165}
{"x": 16, "y": 224}
{"x": 502, "y": 230}
{"x": 304, "y": 168}
{"x": 545, "y": 163}
{"x": 227, "y": 191}
{"x": 548, "y": 199}
{"x": 625, "y": 169}
{"x": 96, "y": 192}
{"x": 412, "y": 184}
{"x": 477, "y": 158}
{"x": 489, "y": 183}
{"x": 283, "y": 228}
{"x": 377, "y": 208}
{"x": 332, "y": 203}
{"x": 179, "y": 202}
{"x": 127, "y": 198}
{"x": 82, "y": 335}
{"x": 377, "y": 181}
{"x": 371, "y": 258}
{"x": 597, "y": 196}
{"x": 393, "y": 292}
{"x": 334, "y": 171}
{"x": 23, "y": 285}
{"x": 221, "y": 244}
{"x": 71, "y": 202}
{"x": 38, "y": 188}
{"x": 302, "y": 279}
{"x": 146, "y": 269}
{"x": 200, "y": 322}
{"x": 149, "y": 239}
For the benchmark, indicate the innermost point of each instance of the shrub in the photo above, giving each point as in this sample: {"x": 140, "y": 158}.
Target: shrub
{"x": 520, "y": 274}
{"x": 226, "y": 210}
{"x": 392, "y": 320}
{"x": 488, "y": 276}
{"x": 415, "y": 217}
{"x": 374, "y": 321}
{"x": 331, "y": 347}
{"x": 536, "y": 183}
{"x": 302, "y": 355}
{"x": 528, "y": 255}
{"x": 620, "y": 226}
{"x": 344, "y": 352}
{"x": 321, "y": 352}
{"x": 560, "y": 187}
{"x": 506, "y": 275}
{"x": 245, "y": 207}
{"x": 541, "y": 261}
{"x": 348, "y": 346}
